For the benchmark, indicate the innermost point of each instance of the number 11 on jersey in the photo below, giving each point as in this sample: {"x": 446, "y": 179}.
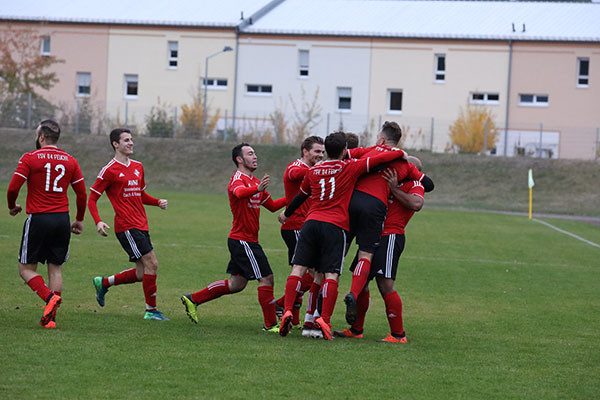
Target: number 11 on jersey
{"x": 323, "y": 183}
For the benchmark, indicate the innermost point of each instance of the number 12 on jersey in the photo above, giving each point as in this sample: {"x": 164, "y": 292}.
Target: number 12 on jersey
{"x": 59, "y": 168}
{"x": 323, "y": 184}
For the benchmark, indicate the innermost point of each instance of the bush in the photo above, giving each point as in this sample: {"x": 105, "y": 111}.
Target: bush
{"x": 158, "y": 122}
{"x": 192, "y": 116}
{"x": 468, "y": 131}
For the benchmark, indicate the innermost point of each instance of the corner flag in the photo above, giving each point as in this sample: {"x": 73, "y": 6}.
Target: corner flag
{"x": 530, "y": 178}
{"x": 531, "y": 184}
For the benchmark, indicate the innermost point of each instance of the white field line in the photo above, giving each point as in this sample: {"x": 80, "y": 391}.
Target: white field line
{"x": 567, "y": 233}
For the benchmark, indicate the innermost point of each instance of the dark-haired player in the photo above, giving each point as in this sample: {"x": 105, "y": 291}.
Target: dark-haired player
{"x": 248, "y": 261}
{"x": 322, "y": 241}
{"x": 48, "y": 172}
{"x": 368, "y": 208}
{"x": 407, "y": 198}
{"x": 311, "y": 152}
{"x": 123, "y": 180}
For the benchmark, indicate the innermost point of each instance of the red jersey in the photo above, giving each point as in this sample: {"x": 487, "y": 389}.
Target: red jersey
{"x": 124, "y": 185}
{"x": 48, "y": 171}
{"x": 245, "y": 206}
{"x": 398, "y": 216}
{"x": 331, "y": 184}
{"x": 292, "y": 178}
{"x": 374, "y": 184}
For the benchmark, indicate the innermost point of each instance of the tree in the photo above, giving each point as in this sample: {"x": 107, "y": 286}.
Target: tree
{"x": 469, "y": 130}
{"x": 192, "y": 118}
{"x": 22, "y": 68}
{"x": 307, "y": 117}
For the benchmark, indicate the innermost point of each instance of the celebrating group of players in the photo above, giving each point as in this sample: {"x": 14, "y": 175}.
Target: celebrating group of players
{"x": 363, "y": 193}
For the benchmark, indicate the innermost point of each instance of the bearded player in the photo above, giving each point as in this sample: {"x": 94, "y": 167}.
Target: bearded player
{"x": 248, "y": 261}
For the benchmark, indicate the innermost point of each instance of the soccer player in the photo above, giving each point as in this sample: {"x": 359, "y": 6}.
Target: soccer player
{"x": 368, "y": 208}
{"x": 124, "y": 182}
{"x": 407, "y": 198}
{"x": 48, "y": 172}
{"x": 322, "y": 241}
{"x": 312, "y": 151}
{"x": 248, "y": 260}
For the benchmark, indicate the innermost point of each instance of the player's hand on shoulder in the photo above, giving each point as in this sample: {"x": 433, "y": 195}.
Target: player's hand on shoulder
{"x": 281, "y": 217}
{"x": 264, "y": 183}
{"x": 77, "y": 227}
{"x": 16, "y": 210}
{"x": 163, "y": 203}
{"x": 391, "y": 177}
{"x": 101, "y": 227}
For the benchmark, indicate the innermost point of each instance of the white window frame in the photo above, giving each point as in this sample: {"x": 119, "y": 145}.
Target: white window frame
{"x": 579, "y": 74}
{"x": 389, "y": 101}
{"x": 172, "y": 45}
{"x": 45, "y": 39}
{"x": 340, "y": 90}
{"x": 214, "y": 84}
{"x": 81, "y": 79}
{"x": 486, "y": 100}
{"x": 439, "y": 72}
{"x": 130, "y": 78}
{"x": 536, "y": 102}
{"x": 303, "y": 66}
{"x": 260, "y": 91}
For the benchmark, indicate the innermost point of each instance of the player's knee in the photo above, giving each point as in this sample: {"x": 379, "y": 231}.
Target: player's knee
{"x": 266, "y": 281}
{"x": 386, "y": 286}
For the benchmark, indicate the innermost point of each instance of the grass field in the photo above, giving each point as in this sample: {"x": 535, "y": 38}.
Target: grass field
{"x": 495, "y": 307}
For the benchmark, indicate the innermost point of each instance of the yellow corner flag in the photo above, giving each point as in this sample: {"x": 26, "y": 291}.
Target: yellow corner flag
{"x": 531, "y": 184}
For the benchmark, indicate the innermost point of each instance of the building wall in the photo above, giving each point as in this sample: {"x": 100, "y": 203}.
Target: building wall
{"x": 83, "y": 48}
{"x": 333, "y": 63}
{"x": 143, "y": 51}
{"x": 409, "y": 66}
{"x": 574, "y": 112}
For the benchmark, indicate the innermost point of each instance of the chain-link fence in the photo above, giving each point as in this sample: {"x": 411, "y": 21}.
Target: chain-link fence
{"x": 86, "y": 116}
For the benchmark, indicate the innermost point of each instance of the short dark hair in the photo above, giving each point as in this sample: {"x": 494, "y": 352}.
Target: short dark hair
{"x": 115, "y": 135}
{"x": 237, "y": 151}
{"x": 309, "y": 142}
{"x": 335, "y": 143}
{"x": 391, "y": 131}
{"x": 51, "y": 130}
{"x": 351, "y": 140}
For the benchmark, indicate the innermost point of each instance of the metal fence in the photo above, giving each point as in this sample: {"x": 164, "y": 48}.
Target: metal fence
{"x": 84, "y": 116}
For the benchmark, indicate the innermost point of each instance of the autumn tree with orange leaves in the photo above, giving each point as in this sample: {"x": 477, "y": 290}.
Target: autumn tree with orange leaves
{"x": 469, "y": 130}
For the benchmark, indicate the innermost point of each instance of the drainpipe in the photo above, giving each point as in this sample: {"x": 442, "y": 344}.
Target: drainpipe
{"x": 510, "y": 51}
{"x": 235, "y": 76}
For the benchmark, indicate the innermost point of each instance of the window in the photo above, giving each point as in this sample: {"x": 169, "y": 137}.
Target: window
{"x": 131, "y": 86}
{"x": 303, "y": 62}
{"x": 215, "y": 83}
{"x": 84, "y": 84}
{"x": 534, "y": 100}
{"x": 173, "y": 54}
{"x": 583, "y": 72}
{"x": 485, "y": 98}
{"x": 259, "y": 89}
{"x": 344, "y": 98}
{"x": 395, "y": 101}
{"x": 45, "y": 46}
{"x": 440, "y": 67}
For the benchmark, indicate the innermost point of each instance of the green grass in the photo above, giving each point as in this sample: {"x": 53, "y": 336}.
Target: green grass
{"x": 495, "y": 307}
